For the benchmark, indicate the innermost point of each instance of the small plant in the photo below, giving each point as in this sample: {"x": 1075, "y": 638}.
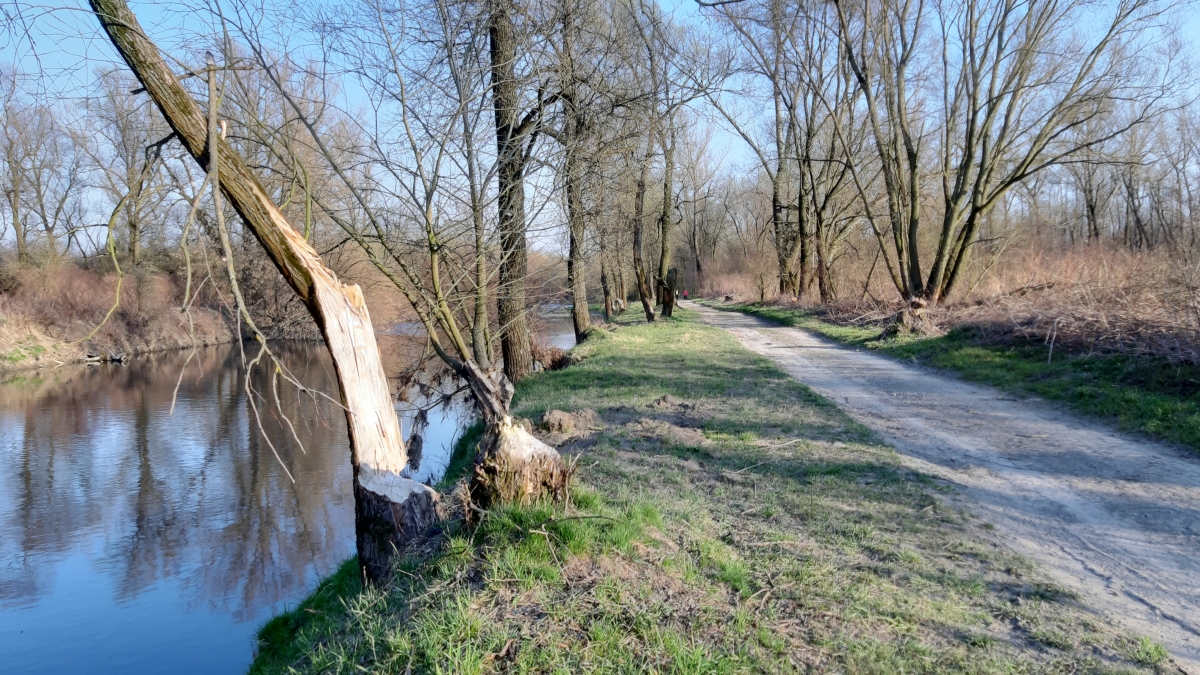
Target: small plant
{"x": 1052, "y": 638}
{"x": 978, "y": 640}
{"x": 1148, "y": 652}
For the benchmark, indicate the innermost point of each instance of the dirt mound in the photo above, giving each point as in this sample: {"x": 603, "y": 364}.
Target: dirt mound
{"x": 667, "y": 401}
{"x": 670, "y": 433}
{"x": 560, "y": 422}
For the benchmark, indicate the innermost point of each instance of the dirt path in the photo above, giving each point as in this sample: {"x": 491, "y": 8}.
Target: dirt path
{"x": 1114, "y": 518}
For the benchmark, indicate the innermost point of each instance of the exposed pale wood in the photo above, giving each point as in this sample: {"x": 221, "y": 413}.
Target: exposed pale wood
{"x": 515, "y": 467}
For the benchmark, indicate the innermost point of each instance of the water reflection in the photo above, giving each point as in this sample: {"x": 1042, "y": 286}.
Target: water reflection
{"x": 98, "y": 481}
{"x": 136, "y": 540}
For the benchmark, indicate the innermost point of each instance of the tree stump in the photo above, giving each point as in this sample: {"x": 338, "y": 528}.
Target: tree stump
{"x": 392, "y": 512}
{"x": 515, "y": 467}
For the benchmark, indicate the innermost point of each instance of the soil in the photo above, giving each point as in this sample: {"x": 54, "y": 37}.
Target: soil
{"x": 1112, "y": 517}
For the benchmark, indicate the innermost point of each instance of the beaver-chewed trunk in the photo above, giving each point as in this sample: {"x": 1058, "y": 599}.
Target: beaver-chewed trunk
{"x": 512, "y": 466}
{"x": 391, "y": 513}
{"x": 515, "y": 467}
{"x": 912, "y": 320}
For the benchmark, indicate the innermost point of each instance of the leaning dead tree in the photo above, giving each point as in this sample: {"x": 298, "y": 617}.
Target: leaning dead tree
{"x": 389, "y": 508}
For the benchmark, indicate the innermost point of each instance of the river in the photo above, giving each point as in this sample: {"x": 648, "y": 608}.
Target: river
{"x": 139, "y": 539}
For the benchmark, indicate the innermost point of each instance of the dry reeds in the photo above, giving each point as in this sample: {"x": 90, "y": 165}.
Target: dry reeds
{"x": 1097, "y": 297}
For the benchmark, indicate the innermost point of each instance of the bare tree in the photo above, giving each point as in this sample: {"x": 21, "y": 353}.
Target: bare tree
{"x": 1011, "y": 80}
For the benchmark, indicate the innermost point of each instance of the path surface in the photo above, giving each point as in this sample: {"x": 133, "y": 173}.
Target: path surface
{"x": 1114, "y": 518}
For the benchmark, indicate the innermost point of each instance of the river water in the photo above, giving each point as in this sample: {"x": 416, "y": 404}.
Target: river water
{"x": 139, "y": 539}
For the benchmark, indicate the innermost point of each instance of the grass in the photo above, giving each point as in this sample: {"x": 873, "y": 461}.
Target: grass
{"x": 1148, "y": 652}
{"x": 779, "y": 537}
{"x": 26, "y": 349}
{"x": 1143, "y": 394}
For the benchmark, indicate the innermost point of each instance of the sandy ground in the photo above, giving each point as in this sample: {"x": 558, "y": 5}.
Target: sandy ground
{"x": 1113, "y": 517}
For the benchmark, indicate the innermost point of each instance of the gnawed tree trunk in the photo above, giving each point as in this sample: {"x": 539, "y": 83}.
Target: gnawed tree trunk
{"x": 512, "y": 466}
{"x": 389, "y": 508}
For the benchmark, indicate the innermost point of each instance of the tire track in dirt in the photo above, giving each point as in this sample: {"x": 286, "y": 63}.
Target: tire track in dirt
{"x": 1112, "y": 517}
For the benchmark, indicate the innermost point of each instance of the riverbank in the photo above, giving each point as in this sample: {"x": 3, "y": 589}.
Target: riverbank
{"x": 1144, "y": 393}
{"x": 54, "y": 316}
{"x": 725, "y": 519}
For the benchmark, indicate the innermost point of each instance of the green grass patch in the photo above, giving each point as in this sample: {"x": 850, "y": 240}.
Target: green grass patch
{"x": 1148, "y": 652}
{"x": 782, "y": 538}
{"x": 1139, "y": 393}
{"x": 26, "y": 349}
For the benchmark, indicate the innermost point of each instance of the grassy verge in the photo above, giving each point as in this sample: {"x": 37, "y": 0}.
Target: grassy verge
{"x": 1139, "y": 393}
{"x": 726, "y": 520}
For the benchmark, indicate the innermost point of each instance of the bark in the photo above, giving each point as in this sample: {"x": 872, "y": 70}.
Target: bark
{"x": 778, "y": 225}
{"x": 480, "y": 343}
{"x": 576, "y": 278}
{"x": 376, "y": 446}
{"x": 510, "y": 158}
{"x": 670, "y": 287}
{"x": 622, "y": 294}
{"x": 574, "y": 128}
{"x": 639, "y": 224}
{"x": 14, "y": 203}
{"x": 607, "y": 287}
{"x": 666, "y": 293}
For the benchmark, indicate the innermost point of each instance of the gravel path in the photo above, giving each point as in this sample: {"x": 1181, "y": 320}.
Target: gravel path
{"x": 1112, "y": 517}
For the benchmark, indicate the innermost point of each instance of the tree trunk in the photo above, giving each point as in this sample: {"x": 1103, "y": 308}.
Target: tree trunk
{"x": 576, "y": 278}
{"x": 510, "y": 157}
{"x": 135, "y": 243}
{"x": 136, "y": 181}
{"x": 670, "y": 284}
{"x": 606, "y": 286}
{"x": 622, "y": 293}
{"x": 389, "y": 509}
{"x": 573, "y": 131}
{"x": 639, "y": 224}
{"x": 666, "y": 295}
{"x": 511, "y": 466}
{"x": 14, "y": 202}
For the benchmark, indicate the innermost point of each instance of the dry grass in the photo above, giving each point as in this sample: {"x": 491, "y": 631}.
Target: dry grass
{"x": 1096, "y": 298}
{"x": 48, "y": 314}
